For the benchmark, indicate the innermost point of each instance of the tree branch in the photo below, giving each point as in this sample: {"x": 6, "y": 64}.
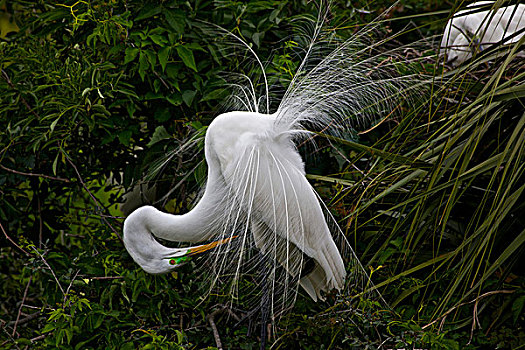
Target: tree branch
{"x": 24, "y": 320}
{"x": 50, "y": 269}
{"x": 21, "y": 305}
{"x": 11, "y": 240}
{"x": 91, "y": 195}
{"x": 211, "y": 320}
{"x": 33, "y": 174}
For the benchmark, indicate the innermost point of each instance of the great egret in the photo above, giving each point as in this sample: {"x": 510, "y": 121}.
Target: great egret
{"x": 472, "y": 30}
{"x": 254, "y": 166}
{"x": 257, "y": 197}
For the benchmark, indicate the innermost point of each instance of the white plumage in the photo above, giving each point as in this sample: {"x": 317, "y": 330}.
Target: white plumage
{"x": 257, "y": 198}
{"x": 471, "y": 29}
{"x": 254, "y": 168}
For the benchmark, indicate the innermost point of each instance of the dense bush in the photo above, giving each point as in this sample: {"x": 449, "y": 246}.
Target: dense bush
{"x": 95, "y": 94}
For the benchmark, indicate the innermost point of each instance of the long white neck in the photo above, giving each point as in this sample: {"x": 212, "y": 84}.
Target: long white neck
{"x": 197, "y": 225}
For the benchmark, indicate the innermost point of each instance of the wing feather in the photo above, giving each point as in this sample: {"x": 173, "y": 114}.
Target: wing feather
{"x": 267, "y": 182}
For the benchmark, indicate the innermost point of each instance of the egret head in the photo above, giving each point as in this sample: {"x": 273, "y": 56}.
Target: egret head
{"x": 152, "y": 256}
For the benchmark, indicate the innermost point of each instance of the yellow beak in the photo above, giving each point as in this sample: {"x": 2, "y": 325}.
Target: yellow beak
{"x": 183, "y": 255}
{"x": 205, "y": 247}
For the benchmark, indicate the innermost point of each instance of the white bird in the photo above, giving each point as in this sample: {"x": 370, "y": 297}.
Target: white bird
{"x": 471, "y": 30}
{"x": 257, "y": 197}
{"x": 254, "y": 167}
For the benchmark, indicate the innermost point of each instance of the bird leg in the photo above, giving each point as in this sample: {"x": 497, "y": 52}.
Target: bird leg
{"x": 264, "y": 306}
{"x": 265, "y": 300}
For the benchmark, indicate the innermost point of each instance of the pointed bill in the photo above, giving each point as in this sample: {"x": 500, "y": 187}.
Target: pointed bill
{"x": 204, "y": 248}
{"x": 184, "y": 255}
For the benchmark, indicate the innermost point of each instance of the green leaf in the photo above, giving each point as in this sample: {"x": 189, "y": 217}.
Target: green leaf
{"x": 98, "y": 321}
{"x": 256, "y": 37}
{"x": 175, "y": 99}
{"x": 53, "y": 124}
{"x": 163, "y": 55}
{"x": 330, "y": 179}
{"x": 131, "y": 54}
{"x": 124, "y": 137}
{"x": 156, "y": 85}
{"x": 152, "y": 58}
{"x": 162, "y": 115}
{"x": 188, "y": 96}
{"x": 55, "y": 162}
{"x": 143, "y": 65}
{"x": 48, "y": 327}
{"x": 128, "y": 346}
{"x": 180, "y": 336}
{"x": 407, "y": 292}
{"x": 380, "y": 153}
{"x": 274, "y": 15}
{"x": 217, "y": 94}
{"x": 172, "y": 71}
{"x": 175, "y": 19}
{"x": 69, "y": 334}
{"x": 158, "y": 39}
{"x": 511, "y": 93}
{"x": 517, "y": 308}
{"x": 159, "y": 135}
{"x": 148, "y": 11}
{"x": 150, "y": 95}
{"x": 187, "y": 57}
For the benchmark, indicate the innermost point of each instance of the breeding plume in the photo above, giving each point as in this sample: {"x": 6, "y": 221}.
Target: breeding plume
{"x": 259, "y": 211}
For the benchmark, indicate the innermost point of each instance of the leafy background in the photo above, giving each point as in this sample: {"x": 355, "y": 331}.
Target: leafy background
{"x": 94, "y": 94}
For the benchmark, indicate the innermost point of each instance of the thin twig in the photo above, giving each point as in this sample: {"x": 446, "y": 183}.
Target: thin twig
{"x": 10, "y": 341}
{"x": 40, "y": 221}
{"x": 21, "y": 305}
{"x": 102, "y": 215}
{"x": 40, "y": 337}
{"x": 50, "y": 269}
{"x": 211, "y": 320}
{"x": 24, "y": 320}
{"x": 69, "y": 287}
{"x": 6, "y": 77}
{"x": 504, "y": 291}
{"x": 170, "y": 88}
{"x": 97, "y": 203}
{"x": 11, "y": 240}
{"x": 33, "y": 174}
{"x": 106, "y": 278}
{"x": 32, "y": 307}
{"x": 82, "y": 182}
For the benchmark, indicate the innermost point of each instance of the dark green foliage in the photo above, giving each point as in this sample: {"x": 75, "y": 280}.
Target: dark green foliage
{"x": 94, "y": 93}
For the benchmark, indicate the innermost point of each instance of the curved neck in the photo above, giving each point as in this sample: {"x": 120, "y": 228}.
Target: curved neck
{"x": 197, "y": 225}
